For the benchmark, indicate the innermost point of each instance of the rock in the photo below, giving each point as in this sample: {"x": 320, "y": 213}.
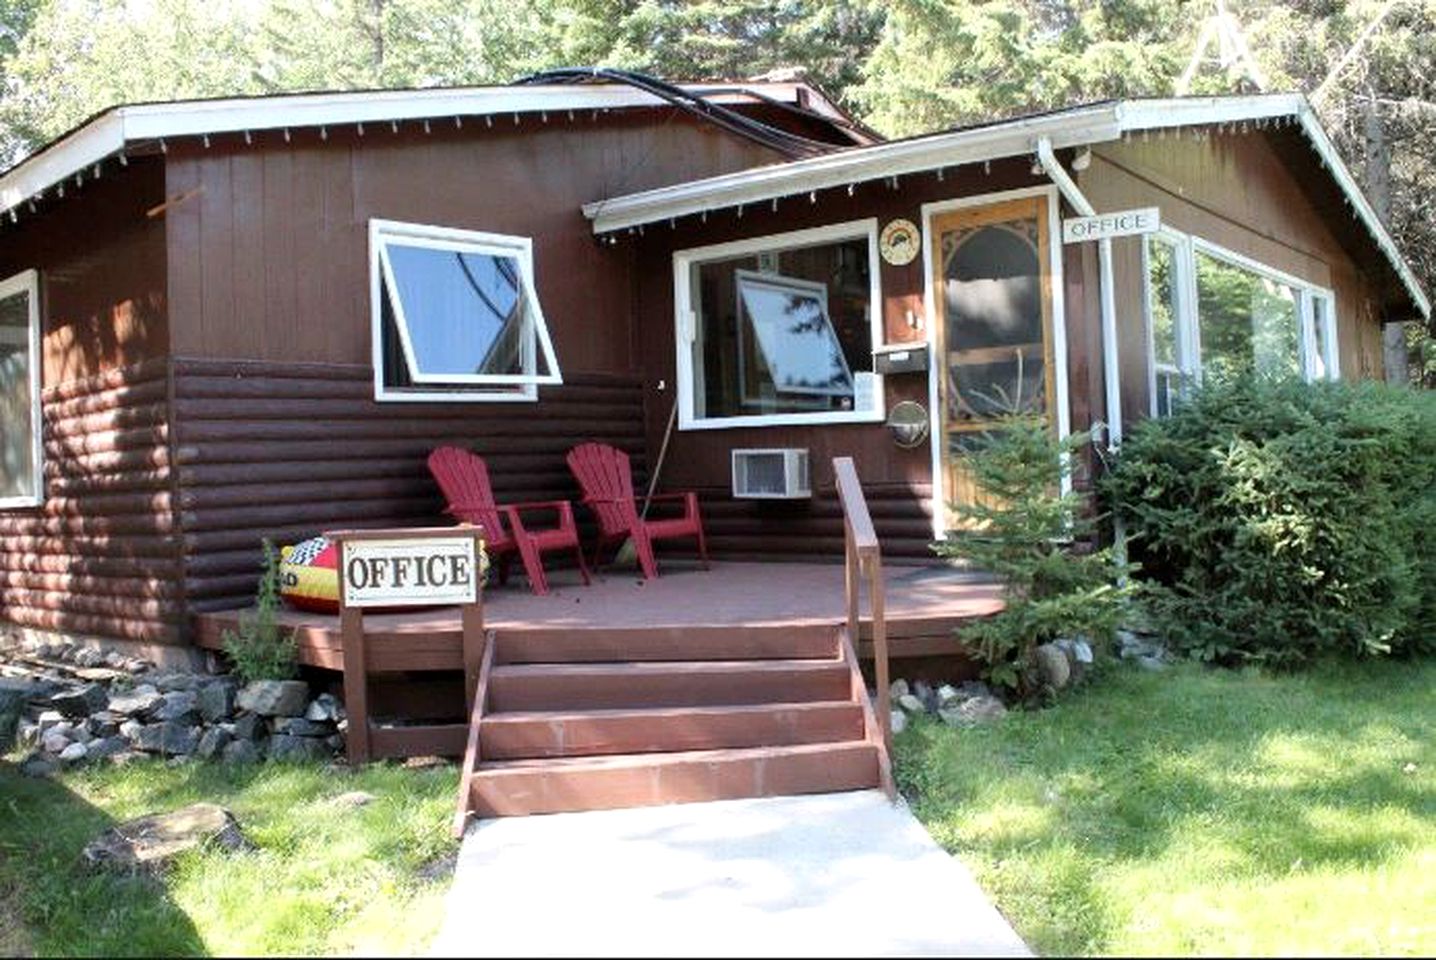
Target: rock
{"x": 126, "y": 757}
{"x": 55, "y": 742}
{"x": 82, "y": 734}
{"x": 973, "y": 711}
{"x": 81, "y": 702}
{"x": 285, "y": 748}
{"x": 115, "y": 660}
{"x": 241, "y": 751}
{"x": 1077, "y": 649}
{"x": 130, "y": 730}
{"x": 326, "y": 706}
{"x": 275, "y": 698}
{"x": 178, "y": 706}
{"x": 178, "y": 739}
{"x": 150, "y": 737}
{"x": 248, "y": 726}
{"x": 106, "y": 747}
{"x": 1155, "y": 664}
{"x": 899, "y": 689}
{"x": 14, "y": 695}
{"x": 106, "y": 723}
{"x": 138, "y": 703}
{"x": 911, "y": 703}
{"x": 353, "y": 799}
{"x": 945, "y": 693}
{"x": 924, "y": 692}
{"x": 215, "y": 701}
{"x": 73, "y": 753}
{"x": 212, "y": 744}
{"x": 150, "y": 843}
{"x": 898, "y": 721}
{"x": 302, "y": 727}
{"x": 37, "y": 765}
{"x": 89, "y": 657}
{"x": 1053, "y": 667}
{"x": 335, "y": 743}
{"x": 177, "y": 682}
{"x": 50, "y": 718}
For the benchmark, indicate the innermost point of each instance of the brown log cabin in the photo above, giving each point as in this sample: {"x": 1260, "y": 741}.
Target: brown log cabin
{"x": 221, "y": 320}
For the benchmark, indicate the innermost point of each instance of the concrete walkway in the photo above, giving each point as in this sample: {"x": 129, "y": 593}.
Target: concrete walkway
{"x": 839, "y": 874}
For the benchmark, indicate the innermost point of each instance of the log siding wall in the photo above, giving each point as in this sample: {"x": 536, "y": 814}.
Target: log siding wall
{"x": 288, "y": 450}
{"x": 102, "y": 555}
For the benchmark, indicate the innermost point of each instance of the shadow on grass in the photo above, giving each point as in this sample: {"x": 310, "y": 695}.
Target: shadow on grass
{"x": 65, "y": 908}
{"x": 1201, "y": 776}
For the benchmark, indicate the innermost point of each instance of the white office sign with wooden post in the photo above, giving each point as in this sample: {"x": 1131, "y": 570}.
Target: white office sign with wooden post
{"x": 1105, "y": 226}
{"x": 418, "y": 572}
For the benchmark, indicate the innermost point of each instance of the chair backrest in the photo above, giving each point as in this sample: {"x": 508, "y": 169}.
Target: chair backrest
{"x": 464, "y": 479}
{"x": 604, "y": 475}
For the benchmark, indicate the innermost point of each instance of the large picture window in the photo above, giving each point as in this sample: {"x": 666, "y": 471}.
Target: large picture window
{"x": 20, "y": 446}
{"x": 779, "y": 330}
{"x": 1213, "y": 314}
{"x": 456, "y": 315}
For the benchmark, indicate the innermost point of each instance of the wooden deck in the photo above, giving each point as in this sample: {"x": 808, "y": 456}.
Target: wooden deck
{"x": 924, "y": 605}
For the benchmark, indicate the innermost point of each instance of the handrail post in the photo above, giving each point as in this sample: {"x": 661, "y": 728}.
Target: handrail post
{"x": 851, "y": 581}
{"x": 877, "y": 604}
{"x": 862, "y": 559}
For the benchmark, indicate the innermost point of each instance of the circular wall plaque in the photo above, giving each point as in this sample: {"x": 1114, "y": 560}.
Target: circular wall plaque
{"x": 908, "y": 422}
{"x": 899, "y": 241}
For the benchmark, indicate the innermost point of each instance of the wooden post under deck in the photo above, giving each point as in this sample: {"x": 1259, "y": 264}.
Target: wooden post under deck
{"x": 361, "y": 738}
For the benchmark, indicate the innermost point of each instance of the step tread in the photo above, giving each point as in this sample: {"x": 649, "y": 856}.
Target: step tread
{"x": 642, "y": 760}
{"x": 656, "y": 713}
{"x": 641, "y": 668}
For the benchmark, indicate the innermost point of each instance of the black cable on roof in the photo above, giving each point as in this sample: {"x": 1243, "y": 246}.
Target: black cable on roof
{"x": 789, "y": 144}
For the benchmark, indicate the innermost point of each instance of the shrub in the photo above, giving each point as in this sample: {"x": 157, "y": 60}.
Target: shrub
{"x": 1023, "y": 530}
{"x": 259, "y": 649}
{"x": 1278, "y": 522}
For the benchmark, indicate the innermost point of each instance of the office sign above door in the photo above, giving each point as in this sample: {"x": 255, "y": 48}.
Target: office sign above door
{"x": 1104, "y": 226}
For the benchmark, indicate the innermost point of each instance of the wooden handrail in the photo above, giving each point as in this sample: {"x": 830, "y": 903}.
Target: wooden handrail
{"x": 863, "y": 560}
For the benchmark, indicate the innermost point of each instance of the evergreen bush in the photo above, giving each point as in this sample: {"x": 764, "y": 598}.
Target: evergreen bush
{"x": 260, "y": 649}
{"x": 1032, "y": 536}
{"x": 1277, "y": 522}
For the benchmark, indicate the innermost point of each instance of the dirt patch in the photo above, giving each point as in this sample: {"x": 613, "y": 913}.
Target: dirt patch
{"x": 14, "y": 938}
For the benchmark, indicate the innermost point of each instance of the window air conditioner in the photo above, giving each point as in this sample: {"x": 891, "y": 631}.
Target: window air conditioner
{"x": 780, "y": 474}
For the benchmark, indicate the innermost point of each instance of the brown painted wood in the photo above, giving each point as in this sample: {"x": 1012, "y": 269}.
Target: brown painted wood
{"x": 517, "y": 788}
{"x": 356, "y": 685}
{"x": 441, "y": 740}
{"x": 875, "y": 731}
{"x": 706, "y": 683}
{"x": 508, "y": 736}
{"x": 474, "y": 748}
{"x": 688, "y": 642}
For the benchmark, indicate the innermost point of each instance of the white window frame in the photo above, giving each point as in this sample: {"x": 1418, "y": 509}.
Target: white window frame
{"x": 1189, "y": 334}
{"x": 686, "y": 326}
{"x": 429, "y": 387}
{"x": 28, "y": 282}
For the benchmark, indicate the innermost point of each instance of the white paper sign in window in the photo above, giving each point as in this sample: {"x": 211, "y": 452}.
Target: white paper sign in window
{"x": 458, "y": 308}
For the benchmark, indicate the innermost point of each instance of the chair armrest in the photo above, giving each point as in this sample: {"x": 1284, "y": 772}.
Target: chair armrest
{"x": 563, "y": 508}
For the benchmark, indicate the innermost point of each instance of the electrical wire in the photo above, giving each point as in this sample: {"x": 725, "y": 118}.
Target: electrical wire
{"x": 791, "y": 145}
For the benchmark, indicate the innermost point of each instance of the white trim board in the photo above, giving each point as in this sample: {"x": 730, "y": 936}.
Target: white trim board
{"x": 28, "y": 283}
{"x": 685, "y": 330}
{"x": 1099, "y": 123}
{"x": 110, "y": 132}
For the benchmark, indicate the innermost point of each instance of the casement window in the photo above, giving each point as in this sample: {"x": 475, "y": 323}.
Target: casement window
{"x": 21, "y": 450}
{"x": 456, "y": 315}
{"x": 780, "y": 329}
{"x": 1214, "y": 314}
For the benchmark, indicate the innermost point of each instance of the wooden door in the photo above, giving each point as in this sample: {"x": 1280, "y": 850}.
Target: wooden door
{"x": 993, "y": 273}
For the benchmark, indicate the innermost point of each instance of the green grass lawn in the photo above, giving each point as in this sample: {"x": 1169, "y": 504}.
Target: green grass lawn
{"x": 1200, "y": 811}
{"x": 322, "y": 880}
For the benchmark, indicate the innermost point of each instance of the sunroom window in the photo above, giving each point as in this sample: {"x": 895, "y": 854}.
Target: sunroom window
{"x": 1213, "y": 314}
{"x": 779, "y": 330}
{"x": 456, "y": 315}
{"x": 20, "y": 448}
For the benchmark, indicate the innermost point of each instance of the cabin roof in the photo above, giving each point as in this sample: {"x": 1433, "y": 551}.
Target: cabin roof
{"x": 1071, "y": 127}
{"x": 144, "y": 127}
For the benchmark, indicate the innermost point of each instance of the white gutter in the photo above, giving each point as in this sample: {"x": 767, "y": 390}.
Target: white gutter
{"x": 1111, "y": 375}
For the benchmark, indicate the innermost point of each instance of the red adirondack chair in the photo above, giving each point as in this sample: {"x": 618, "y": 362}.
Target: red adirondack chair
{"x": 464, "y": 479}
{"x": 604, "y": 475}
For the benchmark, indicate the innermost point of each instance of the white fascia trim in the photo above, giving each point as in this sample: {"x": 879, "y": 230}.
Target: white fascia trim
{"x": 108, "y": 133}
{"x": 1014, "y": 138}
{"x": 1158, "y": 114}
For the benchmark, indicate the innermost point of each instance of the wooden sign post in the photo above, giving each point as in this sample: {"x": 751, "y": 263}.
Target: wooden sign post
{"x": 388, "y": 569}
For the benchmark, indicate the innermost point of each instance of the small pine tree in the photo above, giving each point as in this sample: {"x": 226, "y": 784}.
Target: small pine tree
{"x": 259, "y": 649}
{"x": 1023, "y": 530}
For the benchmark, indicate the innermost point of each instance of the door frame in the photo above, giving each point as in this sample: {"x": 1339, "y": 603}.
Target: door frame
{"x": 936, "y": 364}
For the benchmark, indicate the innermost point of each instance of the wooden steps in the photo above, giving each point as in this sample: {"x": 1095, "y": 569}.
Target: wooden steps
{"x": 588, "y": 720}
